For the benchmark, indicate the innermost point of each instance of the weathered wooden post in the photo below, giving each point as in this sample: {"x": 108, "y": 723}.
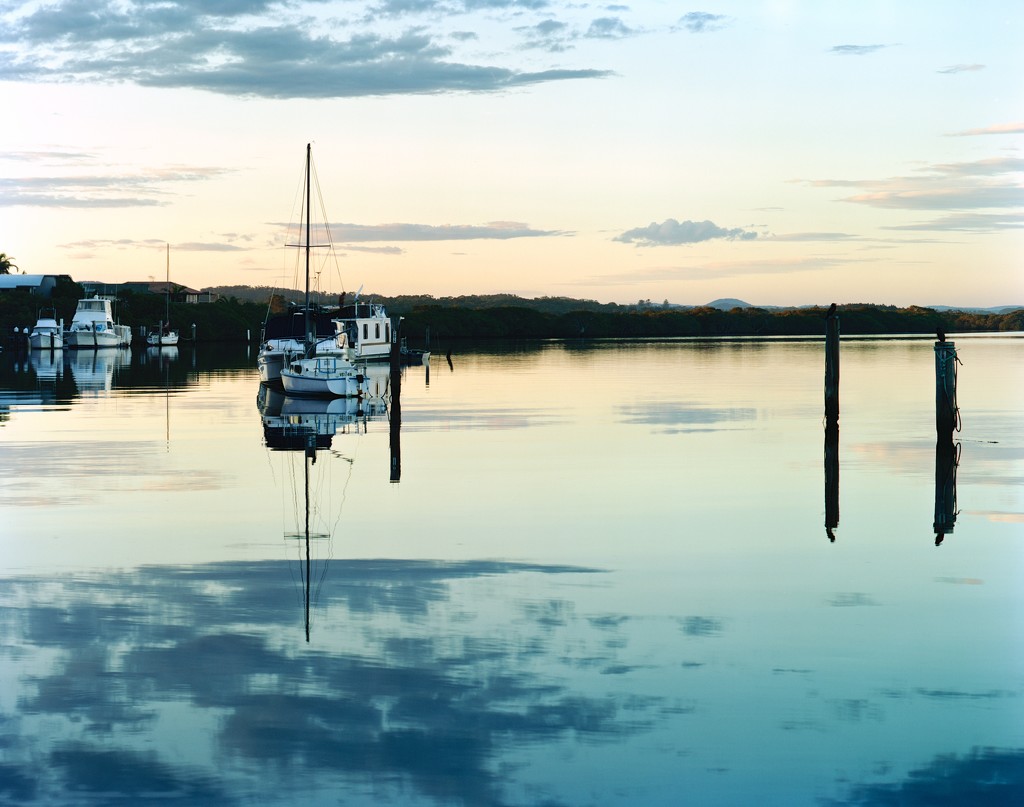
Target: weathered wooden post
{"x": 946, "y": 413}
{"x": 832, "y": 363}
{"x": 395, "y": 412}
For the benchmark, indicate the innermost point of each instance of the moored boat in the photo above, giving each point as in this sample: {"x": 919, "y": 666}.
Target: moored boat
{"x": 48, "y": 333}
{"x": 284, "y": 341}
{"x": 367, "y": 330}
{"x": 162, "y": 338}
{"x": 93, "y": 325}
{"x": 165, "y": 335}
{"x": 333, "y": 376}
{"x": 313, "y": 366}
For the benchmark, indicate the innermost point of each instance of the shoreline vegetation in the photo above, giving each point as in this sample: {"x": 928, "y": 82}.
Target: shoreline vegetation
{"x": 239, "y": 312}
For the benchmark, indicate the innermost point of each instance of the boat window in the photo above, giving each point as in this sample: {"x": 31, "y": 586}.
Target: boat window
{"x": 366, "y": 330}
{"x": 377, "y": 334}
{"x": 387, "y": 331}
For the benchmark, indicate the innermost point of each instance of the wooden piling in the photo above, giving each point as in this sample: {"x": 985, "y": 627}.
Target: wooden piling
{"x": 395, "y": 410}
{"x": 832, "y": 366}
{"x": 946, "y": 412}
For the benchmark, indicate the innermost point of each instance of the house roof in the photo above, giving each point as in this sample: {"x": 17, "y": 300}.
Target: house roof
{"x": 21, "y": 281}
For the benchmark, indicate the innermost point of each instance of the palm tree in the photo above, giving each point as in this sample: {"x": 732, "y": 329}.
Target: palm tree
{"x": 6, "y": 264}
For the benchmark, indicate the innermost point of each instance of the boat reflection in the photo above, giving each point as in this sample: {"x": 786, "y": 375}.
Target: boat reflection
{"x": 94, "y": 370}
{"x": 48, "y": 364}
{"x": 162, "y": 353}
{"x": 307, "y": 427}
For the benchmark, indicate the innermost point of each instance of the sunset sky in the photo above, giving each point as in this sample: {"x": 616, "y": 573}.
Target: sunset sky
{"x": 784, "y": 153}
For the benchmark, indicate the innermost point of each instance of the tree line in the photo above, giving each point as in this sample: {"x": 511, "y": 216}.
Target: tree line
{"x": 235, "y": 317}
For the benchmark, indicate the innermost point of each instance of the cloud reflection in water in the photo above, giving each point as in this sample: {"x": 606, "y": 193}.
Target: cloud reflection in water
{"x": 388, "y": 695}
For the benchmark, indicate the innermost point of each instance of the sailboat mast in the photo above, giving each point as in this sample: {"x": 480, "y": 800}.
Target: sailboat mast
{"x": 167, "y": 290}
{"x": 308, "y": 217}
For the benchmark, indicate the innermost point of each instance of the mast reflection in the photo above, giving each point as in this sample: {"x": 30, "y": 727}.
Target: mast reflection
{"x": 309, "y": 426}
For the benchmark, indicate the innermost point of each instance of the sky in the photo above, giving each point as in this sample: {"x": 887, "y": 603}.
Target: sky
{"x": 779, "y": 152}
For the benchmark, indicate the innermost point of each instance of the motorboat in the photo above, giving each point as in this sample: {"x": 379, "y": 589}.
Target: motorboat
{"x": 93, "y": 325}
{"x": 48, "y": 333}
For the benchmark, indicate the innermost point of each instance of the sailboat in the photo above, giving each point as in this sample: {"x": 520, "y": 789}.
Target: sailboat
{"x": 315, "y": 372}
{"x": 165, "y": 336}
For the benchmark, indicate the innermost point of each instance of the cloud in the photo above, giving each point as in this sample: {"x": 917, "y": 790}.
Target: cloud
{"x": 609, "y": 28}
{"x": 857, "y": 50}
{"x": 344, "y": 233}
{"x": 550, "y": 35}
{"x": 375, "y": 250}
{"x": 698, "y": 22}
{"x": 968, "y": 222}
{"x": 997, "y": 129}
{"x": 280, "y": 55}
{"x": 145, "y": 189}
{"x": 962, "y": 68}
{"x": 977, "y": 185}
{"x": 672, "y": 232}
{"x": 812, "y": 237}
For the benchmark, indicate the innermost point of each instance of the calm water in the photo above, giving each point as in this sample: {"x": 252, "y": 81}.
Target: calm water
{"x": 603, "y": 579}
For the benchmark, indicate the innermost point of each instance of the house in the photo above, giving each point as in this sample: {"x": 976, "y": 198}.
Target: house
{"x": 38, "y": 285}
{"x": 179, "y": 293}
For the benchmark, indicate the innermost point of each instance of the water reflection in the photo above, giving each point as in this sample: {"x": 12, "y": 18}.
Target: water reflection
{"x": 947, "y": 459}
{"x": 308, "y": 427}
{"x": 93, "y": 370}
{"x": 831, "y": 477}
{"x": 108, "y": 665}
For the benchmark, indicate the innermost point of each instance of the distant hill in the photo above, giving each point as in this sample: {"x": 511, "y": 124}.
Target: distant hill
{"x": 727, "y": 304}
{"x": 999, "y": 309}
{"x": 402, "y": 304}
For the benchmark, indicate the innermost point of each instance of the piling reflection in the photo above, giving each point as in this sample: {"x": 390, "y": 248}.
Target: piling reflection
{"x": 831, "y": 477}
{"x": 947, "y": 459}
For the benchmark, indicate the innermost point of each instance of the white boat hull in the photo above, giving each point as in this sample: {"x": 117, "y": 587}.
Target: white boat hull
{"x": 91, "y": 339}
{"x": 323, "y": 377}
{"x": 162, "y": 340}
{"x": 276, "y": 354}
{"x": 46, "y": 340}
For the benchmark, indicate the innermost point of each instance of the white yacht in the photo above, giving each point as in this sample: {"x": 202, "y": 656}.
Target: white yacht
{"x": 93, "y": 325}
